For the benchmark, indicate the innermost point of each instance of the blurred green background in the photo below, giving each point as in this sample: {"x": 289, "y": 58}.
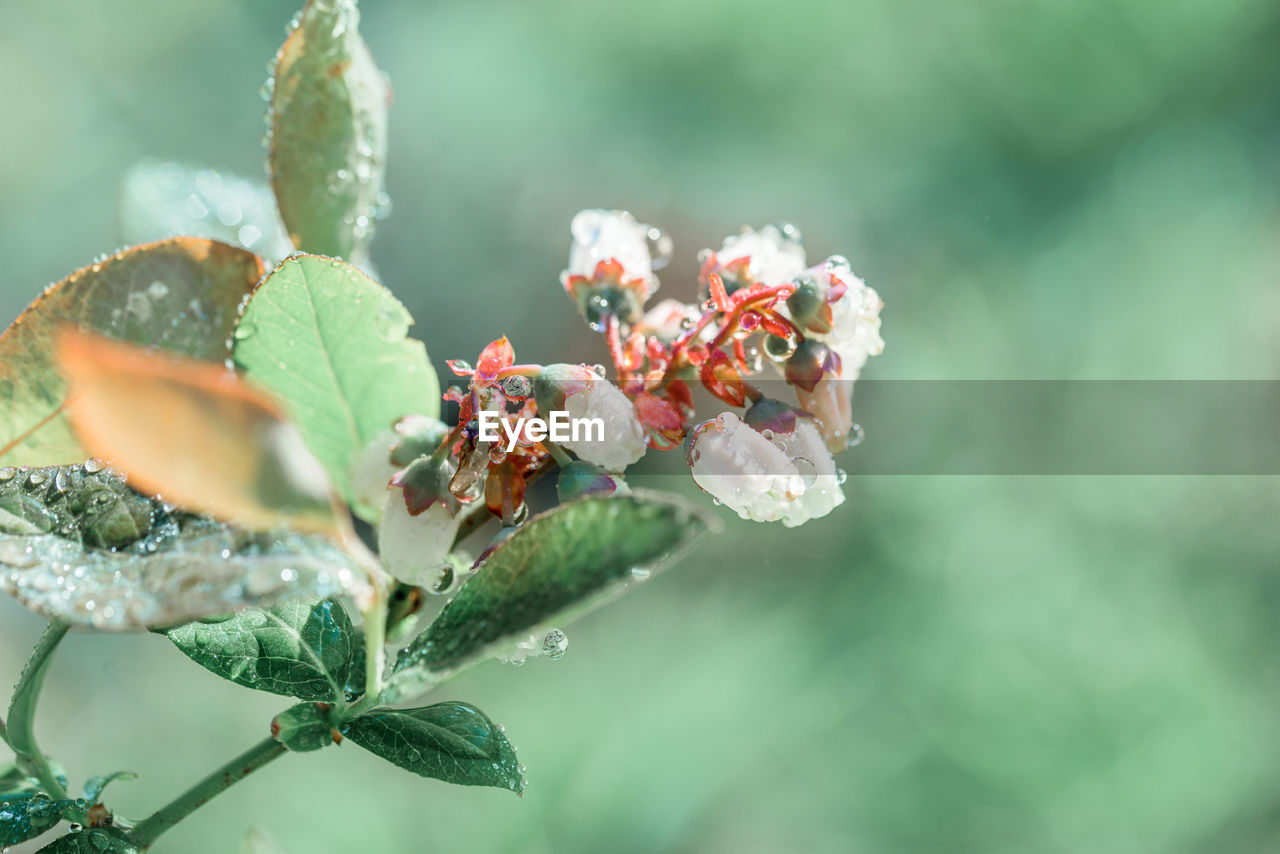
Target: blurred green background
{"x": 1070, "y": 189}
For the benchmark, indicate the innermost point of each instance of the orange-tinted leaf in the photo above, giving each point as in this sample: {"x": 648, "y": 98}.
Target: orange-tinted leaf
{"x": 181, "y": 295}
{"x": 195, "y": 433}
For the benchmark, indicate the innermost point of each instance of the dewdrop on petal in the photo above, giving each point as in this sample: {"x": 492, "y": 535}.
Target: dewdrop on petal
{"x": 742, "y": 469}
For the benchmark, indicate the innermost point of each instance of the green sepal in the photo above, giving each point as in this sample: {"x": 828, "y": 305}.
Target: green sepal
{"x": 305, "y": 727}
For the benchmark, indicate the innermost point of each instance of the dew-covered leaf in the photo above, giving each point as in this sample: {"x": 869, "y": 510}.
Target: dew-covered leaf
{"x": 160, "y": 199}
{"x": 77, "y": 544}
{"x": 330, "y": 344}
{"x": 180, "y": 295}
{"x": 298, "y": 649}
{"x": 196, "y": 433}
{"x": 26, "y": 816}
{"x": 553, "y": 568}
{"x": 328, "y": 121}
{"x": 94, "y": 786}
{"x": 453, "y": 742}
{"x": 96, "y": 840}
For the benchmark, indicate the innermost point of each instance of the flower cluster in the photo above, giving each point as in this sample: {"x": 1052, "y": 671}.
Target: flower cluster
{"x": 759, "y": 302}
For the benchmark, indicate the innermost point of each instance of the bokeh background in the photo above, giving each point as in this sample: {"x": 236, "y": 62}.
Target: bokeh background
{"x": 1078, "y": 189}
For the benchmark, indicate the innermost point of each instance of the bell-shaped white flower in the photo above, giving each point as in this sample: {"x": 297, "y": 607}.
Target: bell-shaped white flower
{"x": 774, "y": 254}
{"x": 623, "y": 442}
{"x": 416, "y": 548}
{"x": 600, "y": 235}
{"x": 371, "y": 471}
{"x": 742, "y": 469}
{"x": 585, "y": 396}
{"x": 855, "y": 316}
{"x": 831, "y": 402}
{"x": 800, "y": 440}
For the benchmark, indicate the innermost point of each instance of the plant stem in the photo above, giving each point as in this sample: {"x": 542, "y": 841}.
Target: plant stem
{"x": 20, "y": 733}
{"x": 206, "y": 790}
{"x": 375, "y": 641}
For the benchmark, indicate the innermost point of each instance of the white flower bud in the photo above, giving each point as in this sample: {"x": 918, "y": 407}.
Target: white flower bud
{"x": 624, "y": 440}
{"x": 801, "y": 442}
{"x": 808, "y": 453}
{"x": 743, "y": 469}
{"x": 776, "y": 255}
{"x": 599, "y": 235}
{"x": 414, "y": 548}
{"x": 855, "y": 317}
{"x": 371, "y": 471}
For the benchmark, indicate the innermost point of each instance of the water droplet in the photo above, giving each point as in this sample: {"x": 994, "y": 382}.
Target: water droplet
{"x": 93, "y": 465}
{"x": 808, "y": 471}
{"x": 640, "y": 573}
{"x": 390, "y": 323}
{"x": 36, "y": 478}
{"x": 778, "y": 348}
{"x": 7, "y": 473}
{"x": 856, "y": 435}
{"x": 841, "y": 476}
{"x": 62, "y": 481}
{"x": 446, "y": 583}
{"x": 660, "y": 246}
{"x": 555, "y": 644}
{"x": 517, "y": 386}
{"x": 789, "y": 231}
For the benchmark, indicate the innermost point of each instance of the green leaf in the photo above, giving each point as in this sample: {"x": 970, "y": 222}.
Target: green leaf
{"x": 159, "y": 199}
{"x": 453, "y": 742}
{"x": 180, "y": 295}
{"x": 554, "y": 567}
{"x": 329, "y": 343}
{"x": 77, "y": 544}
{"x": 302, "y": 649}
{"x": 196, "y": 433}
{"x": 98, "y": 840}
{"x": 26, "y": 816}
{"x": 15, "y": 780}
{"x": 304, "y": 727}
{"x": 328, "y": 119}
{"x": 94, "y": 786}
